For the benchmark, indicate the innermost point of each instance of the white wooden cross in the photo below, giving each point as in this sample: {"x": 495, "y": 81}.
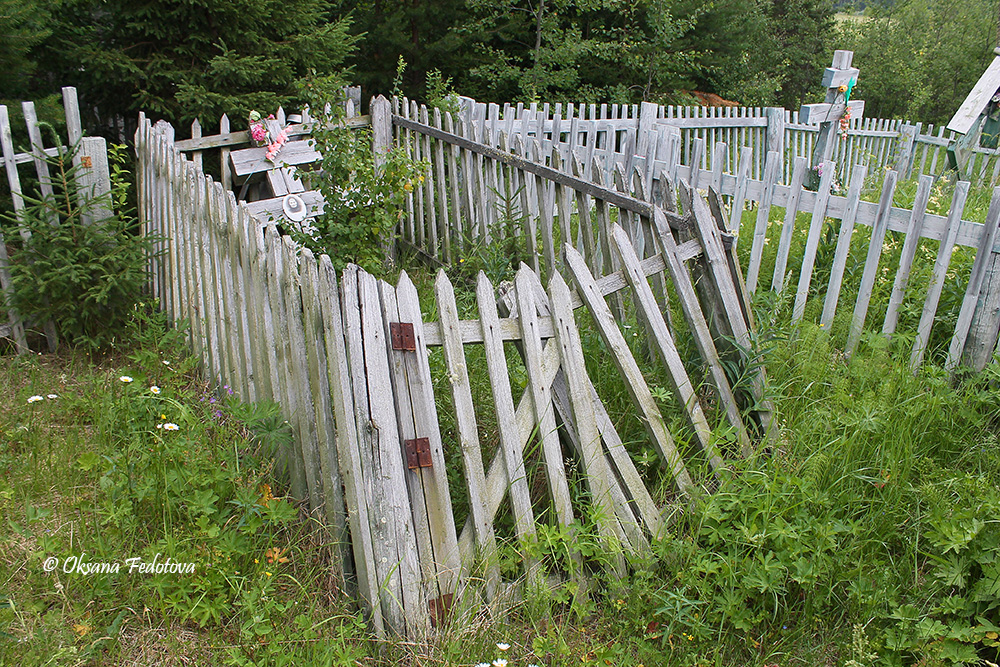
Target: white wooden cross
{"x": 828, "y": 113}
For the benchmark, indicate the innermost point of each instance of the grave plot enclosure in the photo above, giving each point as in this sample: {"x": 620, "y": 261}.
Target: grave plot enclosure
{"x": 389, "y": 448}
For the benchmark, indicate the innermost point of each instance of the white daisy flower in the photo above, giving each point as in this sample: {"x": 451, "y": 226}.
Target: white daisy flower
{"x": 503, "y": 646}
{"x": 170, "y": 426}
{"x": 35, "y": 399}
{"x": 53, "y": 396}
{"x": 126, "y": 379}
{"x": 154, "y": 389}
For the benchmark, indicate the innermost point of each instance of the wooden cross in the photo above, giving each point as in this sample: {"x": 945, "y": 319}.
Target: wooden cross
{"x": 828, "y": 114}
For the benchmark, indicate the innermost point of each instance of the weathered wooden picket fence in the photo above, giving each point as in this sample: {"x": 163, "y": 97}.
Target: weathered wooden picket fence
{"x": 912, "y": 149}
{"x": 90, "y": 163}
{"x": 483, "y": 185}
{"x": 349, "y": 361}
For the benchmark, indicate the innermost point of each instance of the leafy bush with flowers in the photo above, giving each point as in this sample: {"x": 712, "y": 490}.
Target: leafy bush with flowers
{"x": 363, "y": 204}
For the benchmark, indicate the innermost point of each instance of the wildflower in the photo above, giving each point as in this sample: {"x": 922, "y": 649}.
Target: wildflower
{"x": 166, "y": 363}
{"x": 126, "y": 379}
{"x": 163, "y": 417}
{"x": 170, "y": 426}
{"x": 265, "y": 494}
{"x": 483, "y": 664}
{"x": 267, "y": 573}
{"x": 159, "y": 426}
{"x": 499, "y": 662}
{"x": 154, "y": 389}
{"x": 276, "y": 555}
{"x": 503, "y": 646}
{"x": 53, "y": 396}
{"x": 35, "y": 399}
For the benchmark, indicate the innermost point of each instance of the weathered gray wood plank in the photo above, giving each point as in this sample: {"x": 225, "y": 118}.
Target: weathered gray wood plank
{"x": 812, "y": 240}
{"x": 664, "y": 342}
{"x": 843, "y": 250}
{"x": 788, "y": 227}
{"x": 939, "y": 274}
{"x": 909, "y": 251}
{"x": 627, "y": 366}
{"x": 468, "y": 432}
{"x": 589, "y": 438}
{"x": 503, "y": 404}
{"x": 871, "y": 264}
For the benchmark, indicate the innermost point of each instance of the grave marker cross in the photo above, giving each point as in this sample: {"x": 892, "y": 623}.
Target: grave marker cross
{"x": 828, "y": 114}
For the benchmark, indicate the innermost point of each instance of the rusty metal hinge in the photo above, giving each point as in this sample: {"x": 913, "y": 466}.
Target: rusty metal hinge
{"x": 401, "y": 335}
{"x": 418, "y": 453}
{"x": 440, "y": 608}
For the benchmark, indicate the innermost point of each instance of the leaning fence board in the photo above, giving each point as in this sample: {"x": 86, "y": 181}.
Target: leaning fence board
{"x": 426, "y": 512}
{"x": 909, "y": 251}
{"x": 434, "y": 478}
{"x": 843, "y": 249}
{"x": 465, "y": 422}
{"x": 541, "y": 398}
{"x": 982, "y": 342}
{"x": 629, "y": 369}
{"x": 788, "y": 228}
{"x": 763, "y": 218}
{"x": 503, "y": 402}
{"x": 332, "y": 499}
{"x": 696, "y": 321}
{"x": 812, "y": 240}
{"x": 574, "y": 367}
{"x": 632, "y": 488}
{"x": 939, "y": 274}
{"x": 386, "y": 558}
{"x": 348, "y": 454}
{"x": 664, "y": 343}
{"x": 299, "y": 373}
{"x": 389, "y": 469}
{"x": 871, "y": 263}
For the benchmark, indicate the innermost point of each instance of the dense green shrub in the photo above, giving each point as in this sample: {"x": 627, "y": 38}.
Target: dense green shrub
{"x": 80, "y": 263}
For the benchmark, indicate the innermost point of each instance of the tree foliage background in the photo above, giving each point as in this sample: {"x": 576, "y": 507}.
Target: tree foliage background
{"x": 200, "y": 58}
{"x": 920, "y": 58}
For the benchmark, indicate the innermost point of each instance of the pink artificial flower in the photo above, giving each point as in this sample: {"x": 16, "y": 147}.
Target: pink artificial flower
{"x": 258, "y": 132}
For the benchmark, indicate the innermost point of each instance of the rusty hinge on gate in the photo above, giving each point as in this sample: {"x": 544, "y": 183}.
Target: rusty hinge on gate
{"x": 401, "y": 334}
{"x": 418, "y": 453}
{"x": 440, "y": 609}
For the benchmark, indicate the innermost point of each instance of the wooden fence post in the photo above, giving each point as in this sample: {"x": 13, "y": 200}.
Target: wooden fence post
{"x": 381, "y": 112}
{"x": 983, "y": 331}
{"x": 775, "y": 139}
{"x": 907, "y": 140}
{"x": 93, "y": 179}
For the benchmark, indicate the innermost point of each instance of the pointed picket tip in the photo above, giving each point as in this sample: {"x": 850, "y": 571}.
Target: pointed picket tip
{"x": 484, "y": 288}
{"x": 306, "y": 255}
{"x": 443, "y": 286}
{"x": 558, "y": 289}
{"x": 405, "y": 286}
